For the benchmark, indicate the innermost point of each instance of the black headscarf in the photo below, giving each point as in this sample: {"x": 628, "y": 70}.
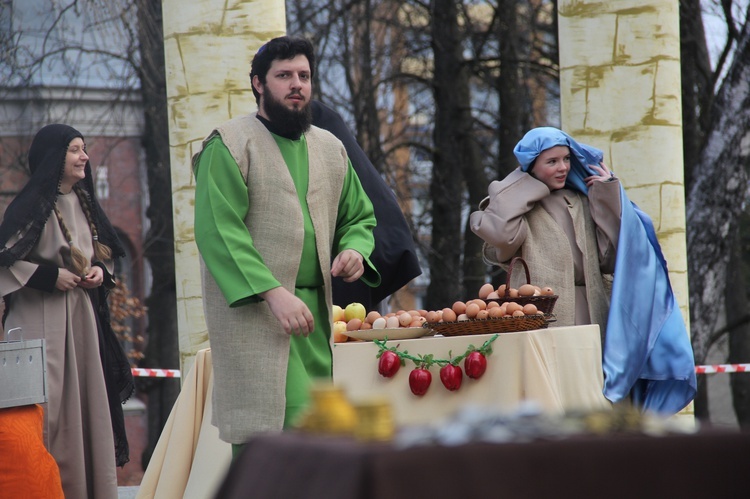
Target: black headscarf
{"x": 31, "y": 208}
{"x": 394, "y": 255}
{"x": 27, "y": 214}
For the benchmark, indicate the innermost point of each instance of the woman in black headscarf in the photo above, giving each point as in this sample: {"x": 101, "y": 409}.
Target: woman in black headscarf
{"x": 56, "y": 254}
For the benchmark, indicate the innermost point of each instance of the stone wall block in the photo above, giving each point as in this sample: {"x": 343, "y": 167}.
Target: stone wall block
{"x": 193, "y": 17}
{"x": 192, "y": 117}
{"x": 226, "y": 69}
{"x": 174, "y": 68}
{"x": 647, "y": 155}
{"x": 646, "y": 197}
{"x": 645, "y": 33}
{"x": 673, "y": 247}
{"x": 673, "y": 207}
{"x": 613, "y": 99}
{"x": 667, "y": 96}
{"x": 183, "y": 201}
{"x": 576, "y": 48}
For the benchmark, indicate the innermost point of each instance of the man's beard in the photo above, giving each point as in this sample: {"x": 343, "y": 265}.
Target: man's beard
{"x": 288, "y": 122}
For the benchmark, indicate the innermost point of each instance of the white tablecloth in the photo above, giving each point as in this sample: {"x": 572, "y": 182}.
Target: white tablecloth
{"x": 558, "y": 368}
{"x": 189, "y": 461}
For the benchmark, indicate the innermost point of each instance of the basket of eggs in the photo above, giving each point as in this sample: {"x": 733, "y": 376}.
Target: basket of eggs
{"x": 544, "y": 298}
{"x": 503, "y": 310}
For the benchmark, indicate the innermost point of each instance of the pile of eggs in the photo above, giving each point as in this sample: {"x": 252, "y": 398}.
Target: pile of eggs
{"x": 392, "y": 320}
{"x": 484, "y": 307}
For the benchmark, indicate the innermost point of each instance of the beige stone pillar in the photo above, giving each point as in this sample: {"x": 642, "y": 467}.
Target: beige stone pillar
{"x": 208, "y": 47}
{"x": 620, "y": 91}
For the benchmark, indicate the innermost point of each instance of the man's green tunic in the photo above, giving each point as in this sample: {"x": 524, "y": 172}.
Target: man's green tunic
{"x": 221, "y": 203}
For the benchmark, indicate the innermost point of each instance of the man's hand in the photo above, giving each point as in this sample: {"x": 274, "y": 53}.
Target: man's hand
{"x": 291, "y": 312}
{"x": 348, "y": 264}
{"x": 93, "y": 279}
{"x": 66, "y": 280}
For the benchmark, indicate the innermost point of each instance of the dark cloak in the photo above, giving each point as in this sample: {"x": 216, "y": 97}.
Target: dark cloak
{"x": 27, "y": 214}
{"x": 394, "y": 255}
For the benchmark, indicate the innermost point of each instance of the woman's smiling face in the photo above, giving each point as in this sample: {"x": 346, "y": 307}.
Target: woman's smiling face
{"x": 552, "y": 166}
{"x": 75, "y": 164}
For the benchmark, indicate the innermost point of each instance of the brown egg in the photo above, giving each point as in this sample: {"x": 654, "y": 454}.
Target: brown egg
{"x": 495, "y": 312}
{"x": 449, "y": 315}
{"x": 414, "y": 313}
{"x": 526, "y": 290}
{"x": 493, "y": 296}
{"x": 492, "y": 304}
{"x": 529, "y": 309}
{"x": 485, "y": 290}
{"x": 511, "y": 307}
{"x": 372, "y": 316}
{"x": 405, "y": 319}
{"x": 392, "y": 322}
{"x": 482, "y": 314}
{"x": 365, "y": 326}
{"x": 482, "y": 304}
{"x": 472, "y": 309}
{"x": 513, "y": 293}
{"x": 423, "y": 312}
{"x": 417, "y": 322}
{"x": 547, "y": 291}
{"x": 459, "y": 307}
{"x": 432, "y": 316}
{"x": 353, "y": 324}
{"x": 518, "y": 313}
{"x": 501, "y": 290}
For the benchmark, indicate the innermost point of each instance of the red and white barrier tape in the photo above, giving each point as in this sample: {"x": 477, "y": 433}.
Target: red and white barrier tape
{"x": 714, "y": 369}
{"x": 723, "y": 368}
{"x": 155, "y": 373}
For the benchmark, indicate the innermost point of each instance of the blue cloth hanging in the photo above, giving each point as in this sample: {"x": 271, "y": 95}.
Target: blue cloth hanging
{"x": 647, "y": 353}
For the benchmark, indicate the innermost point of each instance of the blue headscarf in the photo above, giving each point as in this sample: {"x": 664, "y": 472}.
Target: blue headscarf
{"x": 647, "y": 352}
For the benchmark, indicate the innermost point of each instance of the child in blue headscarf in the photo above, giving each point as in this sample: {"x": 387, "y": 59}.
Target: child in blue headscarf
{"x": 567, "y": 215}
{"x": 568, "y": 238}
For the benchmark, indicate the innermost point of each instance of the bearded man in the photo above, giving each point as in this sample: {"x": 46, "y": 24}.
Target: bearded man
{"x": 275, "y": 199}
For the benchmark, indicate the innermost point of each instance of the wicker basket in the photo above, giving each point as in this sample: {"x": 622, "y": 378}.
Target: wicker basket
{"x": 495, "y": 325}
{"x": 543, "y": 303}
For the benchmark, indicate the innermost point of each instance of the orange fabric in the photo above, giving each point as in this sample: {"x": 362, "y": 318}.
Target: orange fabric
{"x": 28, "y": 470}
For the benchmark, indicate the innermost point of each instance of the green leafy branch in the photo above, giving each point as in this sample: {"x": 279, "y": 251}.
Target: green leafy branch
{"x": 427, "y": 360}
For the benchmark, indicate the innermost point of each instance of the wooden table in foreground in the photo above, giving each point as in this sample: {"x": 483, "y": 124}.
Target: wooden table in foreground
{"x": 559, "y": 368}
{"x": 291, "y": 466}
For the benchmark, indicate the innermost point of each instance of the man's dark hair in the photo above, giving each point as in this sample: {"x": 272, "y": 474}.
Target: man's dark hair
{"x": 281, "y": 48}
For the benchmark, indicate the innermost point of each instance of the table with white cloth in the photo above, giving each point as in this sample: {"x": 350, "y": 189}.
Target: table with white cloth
{"x": 558, "y": 368}
{"x": 189, "y": 460}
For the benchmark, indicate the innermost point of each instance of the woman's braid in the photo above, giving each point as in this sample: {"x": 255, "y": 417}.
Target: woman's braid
{"x": 79, "y": 262}
{"x": 101, "y": 250}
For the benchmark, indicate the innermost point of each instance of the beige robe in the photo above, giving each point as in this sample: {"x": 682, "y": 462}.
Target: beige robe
{"x": 78, "y": 429}
{"x": 250, "y": 350}
{"x": 568, "y": 241}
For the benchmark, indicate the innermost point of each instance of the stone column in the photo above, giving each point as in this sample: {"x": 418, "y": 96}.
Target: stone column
{"x": 208, "y": 47}
{"x": 620, "y": 91}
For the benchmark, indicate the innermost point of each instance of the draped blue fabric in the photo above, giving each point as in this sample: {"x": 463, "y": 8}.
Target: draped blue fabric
{"x": 647, "y": 353}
